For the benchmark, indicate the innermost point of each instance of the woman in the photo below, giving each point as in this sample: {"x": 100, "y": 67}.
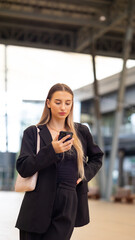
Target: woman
{"x": 59, "y": 202}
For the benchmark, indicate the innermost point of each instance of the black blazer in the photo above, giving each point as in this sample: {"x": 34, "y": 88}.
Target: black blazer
{"x": 36, "y": 209}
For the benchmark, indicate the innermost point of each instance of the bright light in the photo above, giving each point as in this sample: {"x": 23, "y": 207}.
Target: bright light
{"x": 102, "y": 18}
{"x": 133, "y": 118}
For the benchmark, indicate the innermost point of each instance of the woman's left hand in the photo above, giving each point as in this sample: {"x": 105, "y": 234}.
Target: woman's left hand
{"x": 78, "y": 180}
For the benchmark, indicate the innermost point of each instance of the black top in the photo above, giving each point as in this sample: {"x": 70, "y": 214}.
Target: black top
{"x": 67, "y": 169}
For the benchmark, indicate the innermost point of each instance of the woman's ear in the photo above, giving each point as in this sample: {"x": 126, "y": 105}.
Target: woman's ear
{"x": 48, "y": 103}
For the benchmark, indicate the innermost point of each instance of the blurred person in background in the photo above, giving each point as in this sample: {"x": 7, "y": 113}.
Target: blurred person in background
{"x": 65, "y": 166}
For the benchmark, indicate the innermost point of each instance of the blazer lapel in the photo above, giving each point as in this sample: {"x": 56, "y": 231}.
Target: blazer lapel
{"x": 45, "y": 134}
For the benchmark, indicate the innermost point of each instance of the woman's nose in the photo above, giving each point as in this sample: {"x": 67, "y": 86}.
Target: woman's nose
{"x": 62, "y": 106}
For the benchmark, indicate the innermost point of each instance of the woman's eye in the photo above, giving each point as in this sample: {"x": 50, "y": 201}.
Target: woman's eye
{"x": 65, "y": 103}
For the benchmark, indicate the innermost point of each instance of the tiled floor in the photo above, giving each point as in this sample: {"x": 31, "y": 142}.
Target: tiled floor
{"x": 9, "y": 207}
{"x": 109, "y": 221}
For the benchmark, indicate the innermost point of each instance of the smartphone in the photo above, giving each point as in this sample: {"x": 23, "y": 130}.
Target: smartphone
{"x": 65, "y": 133}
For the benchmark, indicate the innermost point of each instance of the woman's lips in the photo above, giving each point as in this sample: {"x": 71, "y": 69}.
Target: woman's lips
{"x": 62, "y": 113}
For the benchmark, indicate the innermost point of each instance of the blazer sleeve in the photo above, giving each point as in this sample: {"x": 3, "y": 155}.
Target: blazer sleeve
{"x": 94, "y": 154}
{"x": 28, "y": 161}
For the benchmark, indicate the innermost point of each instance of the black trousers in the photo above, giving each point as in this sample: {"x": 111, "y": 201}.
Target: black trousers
{"x": 63, "y": 217}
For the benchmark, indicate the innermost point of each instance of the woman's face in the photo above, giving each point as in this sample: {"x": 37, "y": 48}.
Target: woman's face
{"x": 60, "y": 104}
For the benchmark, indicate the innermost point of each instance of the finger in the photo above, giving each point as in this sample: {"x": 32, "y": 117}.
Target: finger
{"x": 64, "y": 138}
{"x": 72, "y": 140}
{"x": 67, "y": 147}
{"x": 69, "y": 142}
{"x": 77, "y": 182}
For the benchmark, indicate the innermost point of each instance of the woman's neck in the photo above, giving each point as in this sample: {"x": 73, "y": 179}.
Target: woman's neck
{"x": 57, "y": 125}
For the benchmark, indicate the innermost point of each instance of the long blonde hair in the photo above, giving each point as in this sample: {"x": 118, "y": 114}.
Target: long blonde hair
{"x": 46, "y": 116}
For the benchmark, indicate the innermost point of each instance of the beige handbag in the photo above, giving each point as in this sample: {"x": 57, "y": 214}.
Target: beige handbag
{"x": 29, "y": 183}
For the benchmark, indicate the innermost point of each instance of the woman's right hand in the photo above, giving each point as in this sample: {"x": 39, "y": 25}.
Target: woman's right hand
{"x": 61, "y": 146}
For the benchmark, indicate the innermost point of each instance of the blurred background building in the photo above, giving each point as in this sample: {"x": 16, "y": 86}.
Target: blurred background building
{"x": 78, "y": 32}
{"x": 124, "y": 170}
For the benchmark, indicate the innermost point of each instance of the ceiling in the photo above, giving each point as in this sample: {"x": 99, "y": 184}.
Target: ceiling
{"x": 67, "y": 25}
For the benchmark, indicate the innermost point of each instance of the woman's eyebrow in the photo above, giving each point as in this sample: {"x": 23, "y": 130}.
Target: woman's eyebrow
{"x": 68, "y": 100}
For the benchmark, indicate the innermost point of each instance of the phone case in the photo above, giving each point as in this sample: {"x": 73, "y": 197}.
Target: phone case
{"x": 65, "y": 133}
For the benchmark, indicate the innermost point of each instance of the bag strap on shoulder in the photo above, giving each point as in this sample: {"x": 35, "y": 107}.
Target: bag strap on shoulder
{"x": 38, "y": 139}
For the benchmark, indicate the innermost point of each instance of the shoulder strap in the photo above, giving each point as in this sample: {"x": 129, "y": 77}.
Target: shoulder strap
{"x": 38, "y": 139}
